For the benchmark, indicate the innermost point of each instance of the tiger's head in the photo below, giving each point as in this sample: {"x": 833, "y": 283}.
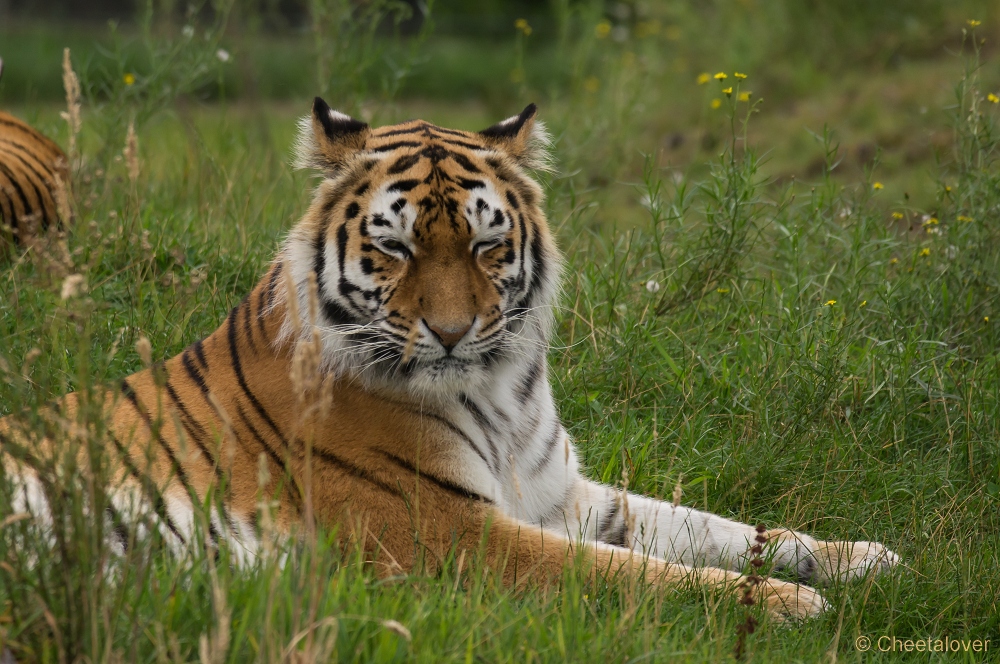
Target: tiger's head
{"x": 434, "y": 263}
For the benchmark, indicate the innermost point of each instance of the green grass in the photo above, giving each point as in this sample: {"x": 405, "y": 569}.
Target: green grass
{"x": 876, "y": 417}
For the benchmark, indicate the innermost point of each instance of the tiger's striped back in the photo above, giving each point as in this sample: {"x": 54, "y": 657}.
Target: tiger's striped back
{"x": 31, "y": 168}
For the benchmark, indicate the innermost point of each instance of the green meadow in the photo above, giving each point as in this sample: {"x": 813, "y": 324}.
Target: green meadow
{"x": 781, "y": 295}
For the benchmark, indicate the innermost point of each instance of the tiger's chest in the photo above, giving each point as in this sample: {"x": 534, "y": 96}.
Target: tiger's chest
{"x": 515, "y": 449}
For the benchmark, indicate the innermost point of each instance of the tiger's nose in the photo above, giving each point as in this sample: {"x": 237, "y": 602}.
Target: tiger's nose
{"x": 449, "y": 335}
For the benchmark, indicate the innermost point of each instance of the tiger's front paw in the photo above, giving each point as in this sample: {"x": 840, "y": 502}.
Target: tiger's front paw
{"x": 847, "y": 561}
{"x": 785, "y": 600}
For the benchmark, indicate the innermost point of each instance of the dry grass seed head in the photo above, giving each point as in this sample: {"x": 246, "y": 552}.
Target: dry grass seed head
{"x": 131, "y": 152}
{"x": 63, "y": 205}
{"x": 145, "y": 350}
{"x": 72, "y": 113}
{"x": 72, "y": 286}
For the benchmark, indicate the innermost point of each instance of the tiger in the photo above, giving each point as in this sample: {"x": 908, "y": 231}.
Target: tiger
{"x": 32, "y": 167}
{"x": 387, "y": 378}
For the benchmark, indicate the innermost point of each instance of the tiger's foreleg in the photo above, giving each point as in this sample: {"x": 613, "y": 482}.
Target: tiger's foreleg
{"x": 682, "y": 534}
{"x": 527, "y": 553}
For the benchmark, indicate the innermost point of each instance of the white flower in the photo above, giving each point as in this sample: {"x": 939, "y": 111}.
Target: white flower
{"x": 188, "y": 31}
{"x": 222, "y": 54}
{"x": 652, "y": 286}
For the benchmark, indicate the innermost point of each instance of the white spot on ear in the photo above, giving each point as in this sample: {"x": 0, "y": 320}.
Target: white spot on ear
{"x": 337, "y": 116}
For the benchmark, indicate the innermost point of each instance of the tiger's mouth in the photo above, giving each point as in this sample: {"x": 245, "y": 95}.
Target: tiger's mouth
{"x": 390, "y": 354}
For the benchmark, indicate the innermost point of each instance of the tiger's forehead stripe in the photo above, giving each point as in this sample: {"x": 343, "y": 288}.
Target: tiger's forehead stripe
{"x": 450, "y": 158}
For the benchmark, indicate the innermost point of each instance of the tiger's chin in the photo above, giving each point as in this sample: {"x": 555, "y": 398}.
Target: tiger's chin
{"x": 447, "y": 376}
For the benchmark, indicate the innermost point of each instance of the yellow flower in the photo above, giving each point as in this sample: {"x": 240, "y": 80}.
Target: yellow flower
{"x": 993, "y": 98}
{"x": 897, "y": 215}
{"x": 728, "y": 91}
{"x": 602, "y": 29}
{"x": 925, "y": 252}
{"x": 863, "y": 303}
{"x": 591, "y": 84}
{"x": 986, "y": 319}
{"x": 745, "y": 96}
{"x": 830, "y": 303}
{"x": 129, "y": 79}
{"x": 522, "y": 25}
{"x": 962, "y": 217}
{"x": 947, "y": 189}
{"x": 931, "y": 221}
{"x": 721, "y": 76}
{"x": 722, "y": 290}
{"x": 974, "y": 23}
{"x": 716, "y": 103}
{"x": 704, "y": 78}
{"x": 893, "y": 261}
{"x": 877, "y": 186}
{"x": 739, "y": 75}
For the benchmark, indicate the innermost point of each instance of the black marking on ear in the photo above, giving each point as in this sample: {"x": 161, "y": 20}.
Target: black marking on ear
{"x": 510, "y": 128}
{"x": 335, "y": 127}
{"x": 352, "y": 210}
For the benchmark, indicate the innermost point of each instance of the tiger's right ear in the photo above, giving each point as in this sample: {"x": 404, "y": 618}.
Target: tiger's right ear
{"x": 327, "y": 138}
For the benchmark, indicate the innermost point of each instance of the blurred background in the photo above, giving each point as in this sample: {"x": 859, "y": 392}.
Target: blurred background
{"x": 616, "y": 80}
{"x": 881, "y": 74}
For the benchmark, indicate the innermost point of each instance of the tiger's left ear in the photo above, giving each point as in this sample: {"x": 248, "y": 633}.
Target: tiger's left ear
{"x": 523, "y": 138}
{"x": 327, "y": 138}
